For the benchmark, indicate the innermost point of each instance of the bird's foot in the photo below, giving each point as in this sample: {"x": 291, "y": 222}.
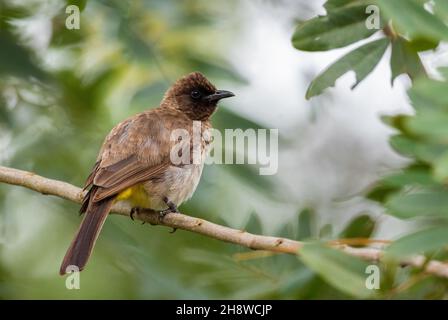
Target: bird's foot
{"x": 135, "y": 210}
{"x": 172, "y": 208}
{"x": 163, "y": 213}
{"x": 139, "y": 210}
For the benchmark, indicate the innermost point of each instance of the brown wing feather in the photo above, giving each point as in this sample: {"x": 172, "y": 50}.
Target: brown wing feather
{"x": 89, "y": 180}
{"x": 138, "y": 176}
{"x": 130, "y": 168}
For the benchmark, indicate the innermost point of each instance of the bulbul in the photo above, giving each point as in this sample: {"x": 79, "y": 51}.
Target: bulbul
{"x": 134, "y": 162}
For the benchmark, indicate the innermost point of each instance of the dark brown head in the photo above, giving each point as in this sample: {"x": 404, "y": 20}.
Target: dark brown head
{"x": 195, "y": 96}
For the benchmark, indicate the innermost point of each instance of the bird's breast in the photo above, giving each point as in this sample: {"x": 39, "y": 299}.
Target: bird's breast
{"x": 176, "y": 183}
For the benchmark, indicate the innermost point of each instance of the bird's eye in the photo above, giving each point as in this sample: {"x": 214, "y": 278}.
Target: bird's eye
{"x": 196, "y": 94}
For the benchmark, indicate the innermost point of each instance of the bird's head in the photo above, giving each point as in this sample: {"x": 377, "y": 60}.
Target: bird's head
{"x": 195, "y": 96}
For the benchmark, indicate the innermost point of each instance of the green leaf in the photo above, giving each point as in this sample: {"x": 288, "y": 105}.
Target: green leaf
{"x": 333, "y": 5}
{"x": 396, "y": 121}
{"x": 416, "y": 177}
{"x": 344, "y": 272}
{"x": 361, "y": 60}
{"x": 420, "y": 242}
{"x": 422, "y": 204}
{"x": 429, "y": 152}
{"x": 403, "y": 145}
{"x": 339, "y": 29}
{"x": 336, "y": 4}
{"x": 410, "y": 17}
{"x": 405, "y": 59}
{"x": 359, "y": 227}
{"x": 431, "y": 125}
{"x": 422, "y": 44}
{"x": 381, "y": 192}
{"x": 428, "y": 93}
{"x": 406, "y": 146}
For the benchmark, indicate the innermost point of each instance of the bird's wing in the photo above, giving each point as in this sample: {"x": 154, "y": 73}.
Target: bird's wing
{"x": 134, "y": 151}
{"x": 124, "y": 174}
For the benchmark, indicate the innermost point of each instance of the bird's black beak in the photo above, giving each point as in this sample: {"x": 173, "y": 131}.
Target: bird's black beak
{"x": 218, "y": 95}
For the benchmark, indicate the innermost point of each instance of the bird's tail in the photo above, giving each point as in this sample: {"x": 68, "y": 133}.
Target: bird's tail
{"x": 81, "y": 247}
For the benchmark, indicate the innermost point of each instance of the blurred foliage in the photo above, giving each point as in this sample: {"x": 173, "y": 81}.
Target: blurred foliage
{"x": 418, "y": 191}
{"x": 59, "y": 96}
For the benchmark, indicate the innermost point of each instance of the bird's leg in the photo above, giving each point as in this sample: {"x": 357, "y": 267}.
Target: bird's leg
{"x": 172, "y": 208}
{"x": 134, "y": 210}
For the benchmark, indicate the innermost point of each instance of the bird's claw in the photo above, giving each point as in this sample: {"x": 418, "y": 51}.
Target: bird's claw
{"x": 134, "y": 210}
{"x": 172, "y": 208}
{"x": 163, "y": 213}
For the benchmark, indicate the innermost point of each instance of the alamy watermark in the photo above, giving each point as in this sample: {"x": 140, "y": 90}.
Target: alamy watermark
{"x": 73, "y": 20}
{"x": 373, "y": 21}
{"x": 255, "y": 147}
{"x": 73, "y": 280}
{"x": 373, "y": 280}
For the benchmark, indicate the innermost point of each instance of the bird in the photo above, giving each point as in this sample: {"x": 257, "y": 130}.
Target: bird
{"x": 135, "y": 164}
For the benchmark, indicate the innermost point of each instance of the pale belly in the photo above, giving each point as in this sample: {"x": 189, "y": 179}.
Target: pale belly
{"x": 177, "y": 184}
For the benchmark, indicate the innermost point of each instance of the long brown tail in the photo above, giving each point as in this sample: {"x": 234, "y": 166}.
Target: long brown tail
{"x": 81, "y": 247}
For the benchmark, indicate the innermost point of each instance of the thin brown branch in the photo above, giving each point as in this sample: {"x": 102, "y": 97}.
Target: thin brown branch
{"x": 180, "y": 221}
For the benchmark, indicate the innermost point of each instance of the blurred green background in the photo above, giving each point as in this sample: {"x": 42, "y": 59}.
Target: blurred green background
{"x": 63, "y": 90}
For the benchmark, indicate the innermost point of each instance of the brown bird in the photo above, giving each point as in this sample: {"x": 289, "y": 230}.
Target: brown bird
{"x": 134, "y": 162}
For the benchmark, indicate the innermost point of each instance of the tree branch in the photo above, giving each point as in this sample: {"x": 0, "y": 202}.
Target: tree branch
{"x": 180, "y": 221}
